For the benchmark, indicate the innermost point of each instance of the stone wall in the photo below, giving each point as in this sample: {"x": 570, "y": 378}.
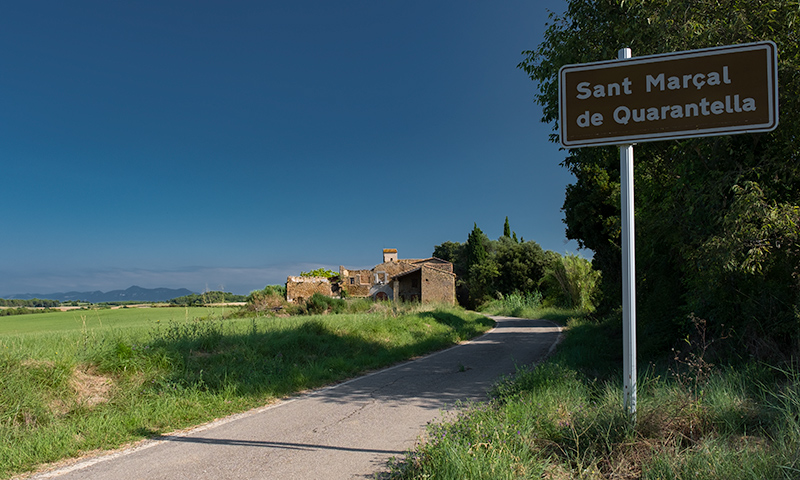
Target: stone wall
{"x": 302, "y": 288}
{"x": 438, "y": 286}
{"x": 440, "y": 264}
{"x": 407, "y": 287}
{"x": 433, "y": 280}
{"x": 356, "y": 283}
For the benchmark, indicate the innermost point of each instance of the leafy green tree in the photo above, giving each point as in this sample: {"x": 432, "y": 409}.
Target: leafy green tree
{"x": 520, "y": 266}
{"x": 320, "y": 272}
{"x": 487, "y": 268}
{"x": 716, "y": 218}
{"x": 476, "y": 247}
{"x": 507, "y": 229}
{"x": 481, "y": 282}
{"x": 34, "y": 302}
{"x": 455, "y": 253}
{"x": 481, "y": 268}
{"x": 207, "y": 298}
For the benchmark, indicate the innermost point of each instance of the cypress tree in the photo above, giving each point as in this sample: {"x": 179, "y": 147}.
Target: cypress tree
{"x": 476, "y": 250}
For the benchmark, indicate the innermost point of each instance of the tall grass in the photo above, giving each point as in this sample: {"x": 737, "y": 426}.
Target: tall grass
{"x": 578, "y": 283}
{"x": 65, "y": 393}
{"x": 527, "y": 305}
{"x": 564, "y": 419}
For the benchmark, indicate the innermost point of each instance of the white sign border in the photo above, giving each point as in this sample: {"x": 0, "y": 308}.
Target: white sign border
{"x": 772, "y": 86}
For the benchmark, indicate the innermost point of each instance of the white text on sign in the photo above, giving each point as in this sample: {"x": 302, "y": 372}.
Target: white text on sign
{"x": 704, "y": 107}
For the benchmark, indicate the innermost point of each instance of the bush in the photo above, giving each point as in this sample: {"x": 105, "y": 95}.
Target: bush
{"x": 575, "y": 282}
{"x": 517, "y": 304}
{"x": 271, "y": 298}
{"x": 319, "y": 304}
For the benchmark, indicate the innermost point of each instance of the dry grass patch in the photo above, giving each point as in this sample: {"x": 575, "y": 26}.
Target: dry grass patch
{"x": 91, "y": 387}
{"x": 87, "y": 389}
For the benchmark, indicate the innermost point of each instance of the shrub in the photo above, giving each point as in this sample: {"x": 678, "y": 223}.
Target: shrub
{"x": 578, "y": 284}
{"x": 271, "y": 298}
{"x": 319, "y": 304}
{"x": 517, "y": 304}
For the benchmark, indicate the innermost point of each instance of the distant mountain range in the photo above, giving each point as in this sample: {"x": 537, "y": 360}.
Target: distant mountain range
{"x": 132, "y": 294}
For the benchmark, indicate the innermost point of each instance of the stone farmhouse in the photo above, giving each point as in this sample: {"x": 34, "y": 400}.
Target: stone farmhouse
{"x": 423, "y": 280}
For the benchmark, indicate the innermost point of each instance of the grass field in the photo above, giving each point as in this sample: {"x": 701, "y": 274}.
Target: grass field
{"x": 80, "y": 381}
{"x": 100, "y": 319}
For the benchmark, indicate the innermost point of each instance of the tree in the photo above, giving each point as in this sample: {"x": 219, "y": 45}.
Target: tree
{"x": 481, "y": 268}
{"x": 507, "y": 229}
{"x": 485, "y": 268}
{"x": 320, "y": 272}
{"x": 521, "y": 266}
{"x": 455, "y": 253}
{"x": 476, "y": 247}
{"x": 716, "y": 218}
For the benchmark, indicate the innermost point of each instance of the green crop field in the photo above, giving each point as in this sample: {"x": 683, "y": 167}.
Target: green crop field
{"x": 101, "y": 319}
{"x": 75, "y": 333}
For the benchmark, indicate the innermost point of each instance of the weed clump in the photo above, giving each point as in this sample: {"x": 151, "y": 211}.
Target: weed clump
{"x": 271, "y": 299}
{"x": 320, "y": 304}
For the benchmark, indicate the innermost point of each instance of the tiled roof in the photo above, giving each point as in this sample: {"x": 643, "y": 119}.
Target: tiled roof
{"x": 420, "y": 268}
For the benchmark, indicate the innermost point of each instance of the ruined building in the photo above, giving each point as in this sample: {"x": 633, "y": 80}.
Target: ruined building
{"x": 424, "y": 280}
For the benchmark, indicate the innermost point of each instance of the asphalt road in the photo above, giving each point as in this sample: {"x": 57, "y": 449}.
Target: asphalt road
{"x": 347, "y": 431}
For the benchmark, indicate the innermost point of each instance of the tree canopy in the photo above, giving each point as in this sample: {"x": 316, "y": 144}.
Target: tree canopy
{"x": 34, "y": 302}
{"x": 717, "y": 219}
{"x": 207, "y": 298}
{"x": 486, "y": 269}
{"x": 320, "y": 272}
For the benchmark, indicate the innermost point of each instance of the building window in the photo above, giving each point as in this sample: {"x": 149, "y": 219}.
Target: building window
{"x": 352, "y": 281}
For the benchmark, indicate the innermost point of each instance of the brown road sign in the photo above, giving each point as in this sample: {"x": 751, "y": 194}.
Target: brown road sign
{"x": 714, "y": 91}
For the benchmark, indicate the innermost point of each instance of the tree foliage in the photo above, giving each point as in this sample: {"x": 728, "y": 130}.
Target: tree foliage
{"x": 320, "y": 272}
{"x": 481, "y": 267}
{"x": 716, "y": 218}
{"x": 33, "y": 302}
{"x": 208, "y": 298}
{"x": 7, "y": 312}
{"x": 487, "y": 269}
{"x": 574, "y": 283}
{"x": 270, "y": 298}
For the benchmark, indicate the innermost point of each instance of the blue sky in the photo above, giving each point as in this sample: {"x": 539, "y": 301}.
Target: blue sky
{"x": 226, "y": 145}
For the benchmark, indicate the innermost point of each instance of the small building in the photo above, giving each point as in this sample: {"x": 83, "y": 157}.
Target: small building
{"x": 302, "y": 288}
{"x": 424, "y": 280}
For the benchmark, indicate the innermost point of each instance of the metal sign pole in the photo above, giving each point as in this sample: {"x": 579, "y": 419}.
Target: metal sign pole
{"x": 628, "y": 272}
{"x": 699, "y": 93}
